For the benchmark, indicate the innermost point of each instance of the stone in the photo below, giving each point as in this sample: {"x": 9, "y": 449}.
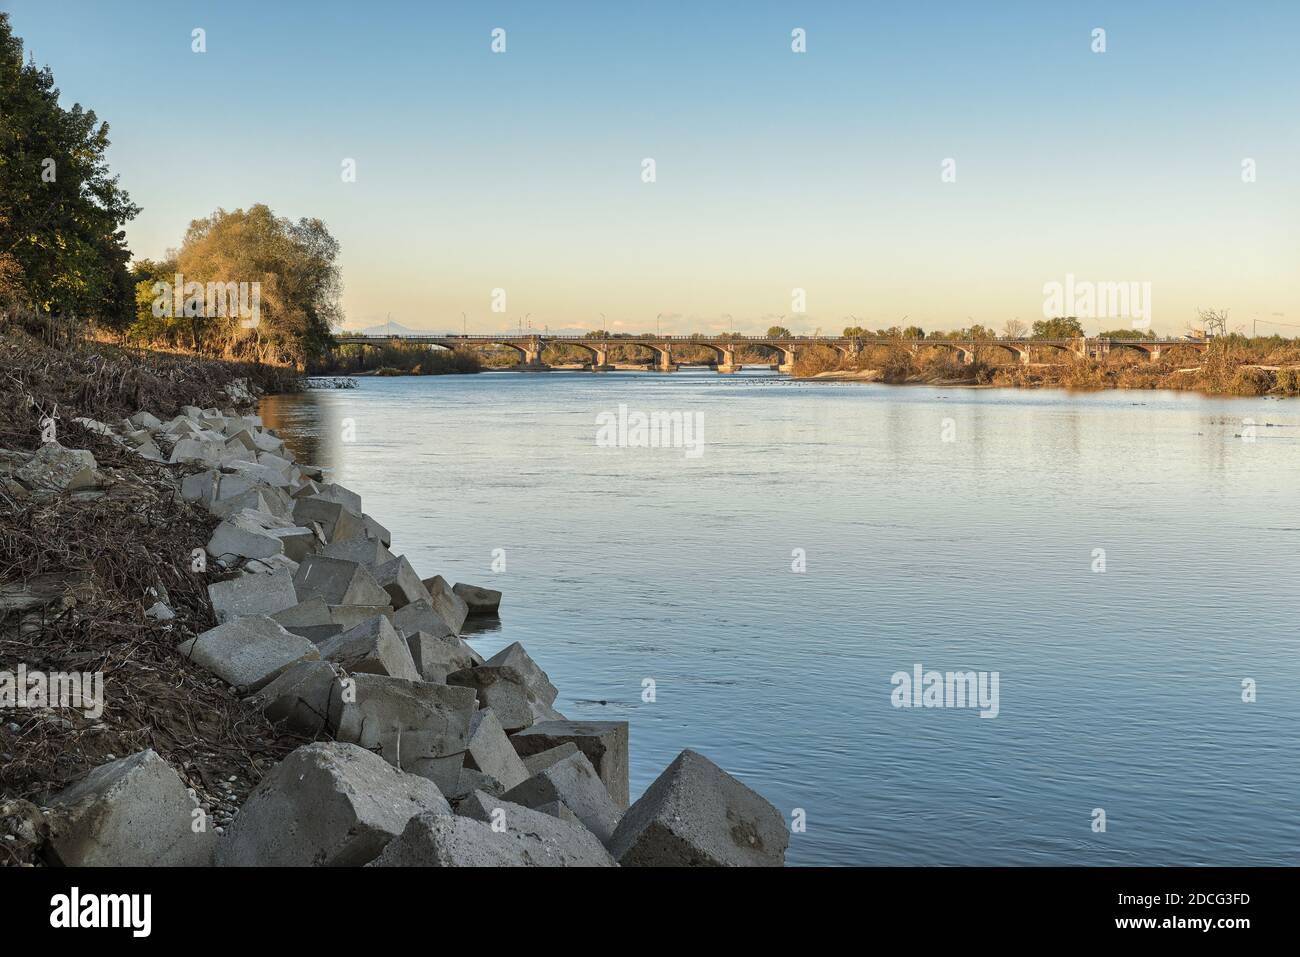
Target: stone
{"x": 349, "y": 616}
{"x": 58, "y": 469}
{"x": 373, "y": 647}
{"x": 480, "y": 602}
{"x": 490, "y": 751}
{"x": 338, "y": 582}
{"x": 574, "y": 781}
{"x": 409, "y": 721}
{"x": 435, "y": 840}
{"x": 514, "y": 656}
{"x": 446, "y": 603}
{"x": 256, "y": 472}
{"x": 420, "y": 616}
{"x": 536, "y": 763}
{"x": 313, "y": 611}
{"x": 298, "y": 542}
{"x": 366, "y": 551}
{"x": 160, "y": 611}
{"x": 603, "y": 742}
{"x": 548, "y": 840}
{"x": 300, "y": 698}
{"x": 503, "y": 690}
{"x": 212, "y": 485}
{"x": 335, "y": 520}
{"x": 247, "y": 534}
{"x": 327, "y": 804}
{"x": 266, "y": 442}
{"x": 132, "y": 812}
{"x": 248, "y": 652}
{"x": 471, "y": 781}
{"x": 252, "y": 595}
{"x": 374, "y": 530}
{"x": 510, "y": 836}
{"x": 349, "y": 499}
{"x": 94, "y": 425}
{"x": 437, "y": 656}
{"x": 697, "y": 815}
{"x": 146, "y": 420}
{"x": 399, "y": 579}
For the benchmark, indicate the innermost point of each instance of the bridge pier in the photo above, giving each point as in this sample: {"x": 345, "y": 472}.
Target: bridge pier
{"x": 727, "y": 364}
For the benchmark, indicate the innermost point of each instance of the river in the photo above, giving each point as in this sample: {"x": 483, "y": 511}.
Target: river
{"x": 751, "y": 595}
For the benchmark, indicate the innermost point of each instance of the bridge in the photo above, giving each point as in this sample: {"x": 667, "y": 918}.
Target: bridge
{"x": 531, "y": 346}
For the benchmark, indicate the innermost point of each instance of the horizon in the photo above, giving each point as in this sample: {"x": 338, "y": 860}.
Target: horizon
{"x": 775, "y": 171}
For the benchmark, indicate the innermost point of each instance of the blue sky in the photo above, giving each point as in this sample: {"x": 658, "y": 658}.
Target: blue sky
{"x": 775, "y": 170}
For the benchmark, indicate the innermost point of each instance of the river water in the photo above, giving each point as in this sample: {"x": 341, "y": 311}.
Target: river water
{"x": 952, "y": 529}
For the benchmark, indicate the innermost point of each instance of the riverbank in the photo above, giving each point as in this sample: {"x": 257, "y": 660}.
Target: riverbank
{"x": 261, "y": 655}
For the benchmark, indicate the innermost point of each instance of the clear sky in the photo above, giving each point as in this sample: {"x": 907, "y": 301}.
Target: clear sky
{"x": 775, "y": 170}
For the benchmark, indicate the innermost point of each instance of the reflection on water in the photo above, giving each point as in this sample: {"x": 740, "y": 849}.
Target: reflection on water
{"x": 1119, "y": 689}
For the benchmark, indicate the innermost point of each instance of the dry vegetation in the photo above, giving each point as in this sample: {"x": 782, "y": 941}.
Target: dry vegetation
{"x": 93, "y": 559}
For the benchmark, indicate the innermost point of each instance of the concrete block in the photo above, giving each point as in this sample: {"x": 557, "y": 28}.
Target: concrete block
{"x": 442, "y": 770}
{"x": 327, "y": 804}
{"x": 366, "y": 551}
{"x": 146, "y": 420}
{"x": 313, "y": 611}
{"x": 338, "y": 582}
{"x": 471, "y": 781}
{"x": 490, "y": 751}
{"x": 196, "y": 451}
{"x": 373, "y": 647}
{"x": 420, "y": 616}
{"x": 556, "y": 839}
{"x": 349, "y": 616}
{"x": 446, "y": 603}
{"x": 399, "y": 579}
{"x": 252, "y": 595}
{"x": 433, "y": 840}
{"x": 248, "y": 652}
{"x": 574, "y": 781}
{"x": 298, "y": 542}
{"x": 514, "y": 656}
{"x": 256, "y": 472}
{"x": 536, "y": 763}
{"x": 374, "y": 530}
{"x": 299, "y": 699}
{"x": 55, "y": 468}
{"x": 133, "y": 812}
{"x": 603, "y": 742}
{"x": 504, "y": 691}
{"x": 480, "y": 602}
{"x": 246, "y": 534}
{"x": 333, "y": 492}
{"x": 335, "y": 520}
{"x": 437, "y": 656}
{"x": 696, "y": 814}
{"x": 409, "y": 721}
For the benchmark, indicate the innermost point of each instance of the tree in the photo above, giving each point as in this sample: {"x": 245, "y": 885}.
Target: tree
{"x": 62, "y": 248}
{"x": 1058, "y": 328}
{"x": 287, "y": 270}
{"x": 778, "y": 332}
{"x": 1014, "y": 329}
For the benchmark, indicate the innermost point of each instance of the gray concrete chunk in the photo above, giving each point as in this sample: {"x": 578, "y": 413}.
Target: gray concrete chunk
{"x": 551, "y": 840}
{"x": 372, "y": 647}
{"x": 408, "y": 720}
{"x": 447, "y": 603}
{"x": 603, "y": 742}
{"x": 248, "y": 652}
{"x": 367, "y": 551}
{"x": 503, "y": 690}
{"x": 59, "y": 469}
{"x": 252, "y": 595}
{"x": 490, "y": 751}
{"x": 514, "y": 656}
{"x": 420, "y": 616}
{"x": 696, "y": 814}
{"x": 436, "y": 657}
{"x": 480, "y": 602}
{"x": 338, "y": 582}
{"x": 536, "y": 763}
{"x": 574, "y": 781}
{"x": 399, "y": 579}
{"x": 300, "y": 698}
{"x": 326, "y": 804}
{"x": 133, "y": 812}
{"x": 338, "y": 523}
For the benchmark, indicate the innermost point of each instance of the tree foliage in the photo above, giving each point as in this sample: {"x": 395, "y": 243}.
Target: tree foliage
{"x": 62, "y": 247}
{"x": 1061, "y": 327}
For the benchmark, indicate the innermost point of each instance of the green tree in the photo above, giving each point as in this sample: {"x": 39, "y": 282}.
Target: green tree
{"x": 778, "y": 332}
{"x": 295, "y": 267}
{"x": 1059, "y": 328}
{"x": 62, "y": 248}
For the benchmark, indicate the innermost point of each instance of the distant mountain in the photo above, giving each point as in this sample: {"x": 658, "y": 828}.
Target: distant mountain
{"x": 387, "y": 329}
